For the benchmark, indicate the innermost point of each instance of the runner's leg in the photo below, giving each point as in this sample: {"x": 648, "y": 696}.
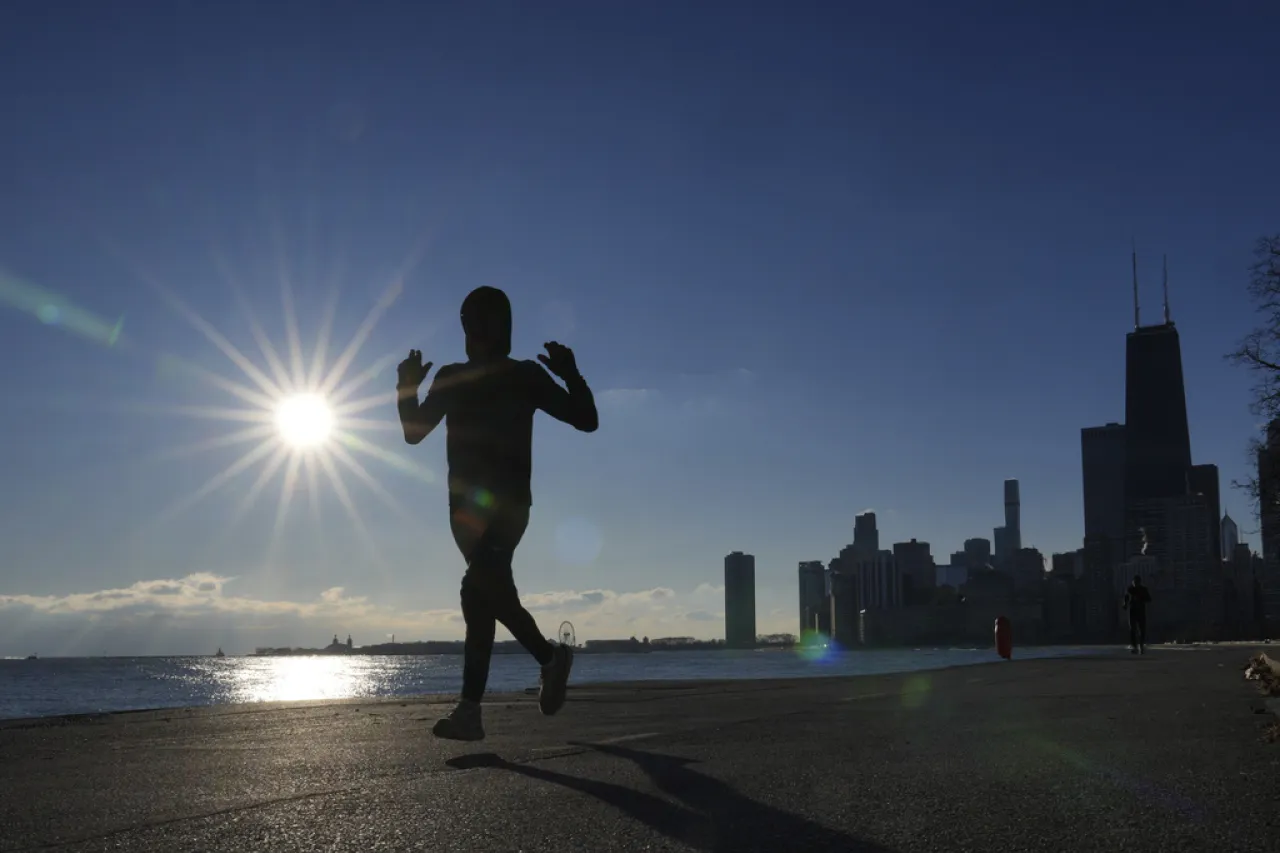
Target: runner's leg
{"x": 474, "y": 532}
{"x": 477, "y": 650}
{"x": 495, "y": 557}
{"x": 464, "y": 722}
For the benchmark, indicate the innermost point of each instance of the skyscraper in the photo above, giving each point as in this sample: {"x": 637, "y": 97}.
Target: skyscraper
{"x": 879, "y": 584}
{"x": 866, "y": 538}
{"x": 740, "y": 601}
{"x": 1203, "y": 480}
{"x": 1229, "y": 534}
{"x": 1102, "y": 453}
{"x": 1157, "y": 453}
{"x": 916, "y": 570}
{"x": 1013, "y": 514}
{"x": 1003, "y": 555}
{"x": 844, "y": 605}
{"x": 1028, "y": 573}
{"x": 813, "y": 598}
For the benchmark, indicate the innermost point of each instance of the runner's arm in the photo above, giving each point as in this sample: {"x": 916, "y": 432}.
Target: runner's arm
{"x": 419, "y": 419}
{"x": 575, "y": 406}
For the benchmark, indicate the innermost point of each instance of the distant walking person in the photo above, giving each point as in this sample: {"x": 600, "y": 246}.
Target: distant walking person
{"x": 488, "y": 403}
{"x": 1136, "y": 599}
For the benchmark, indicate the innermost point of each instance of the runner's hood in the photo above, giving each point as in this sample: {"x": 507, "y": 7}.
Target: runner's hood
{"x": 486, "y": 321}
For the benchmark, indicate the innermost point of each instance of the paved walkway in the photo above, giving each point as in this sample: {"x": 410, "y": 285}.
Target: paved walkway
{"x": 1154, "y": 753}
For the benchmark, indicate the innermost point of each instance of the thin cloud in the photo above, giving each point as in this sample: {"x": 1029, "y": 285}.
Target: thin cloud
{"x": 703, "y": 616}
{"x": 204, "y": 605}
{"x": 201, "y": 592}
{"x": 625, "y": 398}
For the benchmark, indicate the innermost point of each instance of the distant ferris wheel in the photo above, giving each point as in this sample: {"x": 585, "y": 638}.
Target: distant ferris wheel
{"x": 567, "y": 636}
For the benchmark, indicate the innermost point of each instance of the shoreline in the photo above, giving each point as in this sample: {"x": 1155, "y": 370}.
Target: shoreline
{"x": 578, "y": 652}
{"x": 500, "y": 697}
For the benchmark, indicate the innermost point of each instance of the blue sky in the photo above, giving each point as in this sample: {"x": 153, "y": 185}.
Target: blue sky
{"x": 813, "y": 258}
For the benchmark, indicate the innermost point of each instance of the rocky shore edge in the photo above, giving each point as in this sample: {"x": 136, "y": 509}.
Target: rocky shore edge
{"x": 1265, "y": 671}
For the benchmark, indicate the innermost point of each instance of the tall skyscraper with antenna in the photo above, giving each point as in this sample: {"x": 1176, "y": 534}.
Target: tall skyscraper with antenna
{"x": 1157, "y": 438}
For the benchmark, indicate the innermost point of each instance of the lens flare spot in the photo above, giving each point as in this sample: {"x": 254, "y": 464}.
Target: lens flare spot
{"x": 304, "y": 420}
{"x": 815, "y": 647}
{"x": 48, "y": 314}
{"x": 915, "y": 691}
{"x": 578, "y": 542}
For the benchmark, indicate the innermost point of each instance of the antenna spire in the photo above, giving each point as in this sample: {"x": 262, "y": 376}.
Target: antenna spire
{"x": 1136, "y": 323}
{"x": 1166, "y": 290}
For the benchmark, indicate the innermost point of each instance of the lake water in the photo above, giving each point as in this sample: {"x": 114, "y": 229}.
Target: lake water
{"x": 55, "y": 686}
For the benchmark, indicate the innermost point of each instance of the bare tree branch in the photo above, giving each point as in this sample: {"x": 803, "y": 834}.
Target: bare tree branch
{"x": 1259, "y": 352}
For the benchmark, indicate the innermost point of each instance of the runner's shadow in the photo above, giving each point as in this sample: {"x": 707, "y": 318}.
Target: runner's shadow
{"x": 711, "y": 816}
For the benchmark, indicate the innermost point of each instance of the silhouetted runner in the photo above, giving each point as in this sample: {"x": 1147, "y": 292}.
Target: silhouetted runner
{"x": 1136, "y": 599}
{"x": 487, "y": 404}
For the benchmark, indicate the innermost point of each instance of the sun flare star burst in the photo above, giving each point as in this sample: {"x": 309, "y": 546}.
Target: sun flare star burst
{"x": 300, "y": 416}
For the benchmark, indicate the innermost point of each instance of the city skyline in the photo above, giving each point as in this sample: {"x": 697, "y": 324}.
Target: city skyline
{"x": 1149, "y": 511}
{"x": 812, "y": 263}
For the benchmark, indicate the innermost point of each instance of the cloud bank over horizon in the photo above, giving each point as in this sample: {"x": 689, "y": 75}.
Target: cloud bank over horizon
{"x": 199, "y": 612}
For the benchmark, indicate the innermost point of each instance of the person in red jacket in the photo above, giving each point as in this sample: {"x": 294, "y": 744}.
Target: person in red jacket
{"x": 488, "y": 403}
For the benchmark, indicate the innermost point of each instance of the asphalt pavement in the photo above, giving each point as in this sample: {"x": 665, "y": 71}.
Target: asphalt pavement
{"x": 1154, "y": 753}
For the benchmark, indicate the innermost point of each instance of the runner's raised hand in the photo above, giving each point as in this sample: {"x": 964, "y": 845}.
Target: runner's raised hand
{"x": 412, "y": 372}
{"x": 559, "y": 360}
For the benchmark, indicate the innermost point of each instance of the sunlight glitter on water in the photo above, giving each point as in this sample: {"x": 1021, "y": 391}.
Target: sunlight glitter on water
{"x": 92, "y": 685}
{"x": 297, "y": 678}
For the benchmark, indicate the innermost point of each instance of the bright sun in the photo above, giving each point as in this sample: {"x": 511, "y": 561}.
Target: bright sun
{"x": 299, "y": 413}
{"x": 304, "y": 420}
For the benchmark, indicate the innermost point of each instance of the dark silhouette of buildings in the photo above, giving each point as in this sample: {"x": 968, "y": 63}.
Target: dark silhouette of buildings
{"x": 1171, "y": 507}
{"x": 877, "y": 583}
{"x": 862, "y": 578}
{"x": 740, "y": 601}
{"x": 1147, "y": 509}
{"x": 1027, "y": 571}
{"x": 1068, "y": 565}
{"x": 977, "y": 552}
